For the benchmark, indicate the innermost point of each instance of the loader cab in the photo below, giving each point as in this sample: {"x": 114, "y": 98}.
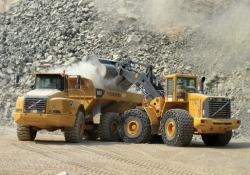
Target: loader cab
{"x": 178, "y": 86}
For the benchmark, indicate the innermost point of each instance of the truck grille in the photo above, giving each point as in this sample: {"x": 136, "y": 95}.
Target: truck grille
{"x": 35, "y": 105}
{"x": 217, "y": 108}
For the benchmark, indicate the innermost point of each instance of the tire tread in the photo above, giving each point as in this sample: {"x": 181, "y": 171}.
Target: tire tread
{"x": 145, "y": 135}
{"x": 104, "y": 128}
{"x": 26, "y": 133}
{"x": 184, "y": 127}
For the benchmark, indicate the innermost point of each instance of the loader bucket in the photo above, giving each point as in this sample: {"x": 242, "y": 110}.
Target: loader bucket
{"x": 117, "y": 82}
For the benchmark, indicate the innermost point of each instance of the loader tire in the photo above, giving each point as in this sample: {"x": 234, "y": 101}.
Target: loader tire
{"x": 26, "y": 133}
{"x": 217, "y": 139}
{"x": 108, "y": 129}
{"x": 135, "y": 127}
{"x": 177, "y": 128}
{"x": 75, "y": 134}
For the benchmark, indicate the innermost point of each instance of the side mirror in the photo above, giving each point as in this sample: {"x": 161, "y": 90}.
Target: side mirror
{"x": 203, "y": 79}
{"x": 66, "y": 83}
{"x": 17, "y": 79}
{"x": 78, "y": 82}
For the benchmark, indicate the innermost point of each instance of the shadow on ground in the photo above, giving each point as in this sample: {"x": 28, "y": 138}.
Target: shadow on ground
{"x": 194, "y": 144}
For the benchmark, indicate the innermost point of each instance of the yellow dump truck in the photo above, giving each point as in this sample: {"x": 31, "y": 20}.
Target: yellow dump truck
{"x": 73, "y": 104}
{"x": 175, "y": 108}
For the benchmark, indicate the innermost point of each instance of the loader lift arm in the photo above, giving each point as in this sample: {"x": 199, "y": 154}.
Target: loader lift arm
{"x": 142, "y": 78}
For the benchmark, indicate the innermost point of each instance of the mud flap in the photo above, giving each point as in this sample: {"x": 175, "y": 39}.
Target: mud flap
{"x": 96, "y": 111}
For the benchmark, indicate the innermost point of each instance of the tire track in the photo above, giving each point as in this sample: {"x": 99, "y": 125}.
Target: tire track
{"x": 138, "y": 165}
{"x": 93, "y": 157}
{"x": 170, "y": 167}
{"x": 54, "y": 155}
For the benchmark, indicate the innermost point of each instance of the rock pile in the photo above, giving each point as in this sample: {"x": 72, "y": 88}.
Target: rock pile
{"x": 38, "y": 35}
{"x": 52, "y": 33}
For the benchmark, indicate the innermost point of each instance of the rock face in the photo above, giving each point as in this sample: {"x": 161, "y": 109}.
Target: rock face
{"x": 39, "y": 35}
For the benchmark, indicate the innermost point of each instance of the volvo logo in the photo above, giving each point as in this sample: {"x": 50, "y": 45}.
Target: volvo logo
{"x": 34, "y": 104}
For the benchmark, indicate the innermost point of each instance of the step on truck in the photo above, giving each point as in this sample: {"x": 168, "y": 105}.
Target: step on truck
{"x": 72, "y": 104}
{"x": 174, "y": 109}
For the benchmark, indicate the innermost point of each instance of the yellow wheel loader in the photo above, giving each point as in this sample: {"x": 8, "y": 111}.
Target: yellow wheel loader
{"x": 74, "y": 105}
{"x": 175, "y": 109}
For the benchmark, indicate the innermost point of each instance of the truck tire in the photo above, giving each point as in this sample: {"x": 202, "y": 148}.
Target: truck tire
{"x": 108, "y": 129}
{"x": 217, "y": 139}
{"x": 135, "y": 127}
{"x": 75, "y": 134}
{"x": 26, "y": 133}
{"x": 177, "y": 128}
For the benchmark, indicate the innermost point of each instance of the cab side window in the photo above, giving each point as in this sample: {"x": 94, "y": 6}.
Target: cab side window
{"x": 170, "y": 87}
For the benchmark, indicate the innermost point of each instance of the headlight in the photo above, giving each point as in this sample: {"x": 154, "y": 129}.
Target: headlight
{"x": 19, "y": 104}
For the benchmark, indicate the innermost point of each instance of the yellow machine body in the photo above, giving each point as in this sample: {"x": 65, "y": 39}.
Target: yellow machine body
{"x": 61, "y": 107}
{"x": 194, "y": 103}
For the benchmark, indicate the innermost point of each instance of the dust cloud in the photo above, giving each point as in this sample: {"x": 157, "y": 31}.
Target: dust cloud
{"x": 89, "y": 68}
{"x": 217, "y": 32}
{"x": 6, "y": 4}
{"x": 223, "y": 39}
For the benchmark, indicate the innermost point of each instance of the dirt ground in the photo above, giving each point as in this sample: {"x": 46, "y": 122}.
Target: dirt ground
{"x": 49, "y": 154}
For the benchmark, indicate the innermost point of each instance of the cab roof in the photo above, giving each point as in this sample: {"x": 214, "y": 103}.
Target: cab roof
{"x": 44, "y": 73}
{"x": 179, "y": 75}
{"x": 58, "y": 74}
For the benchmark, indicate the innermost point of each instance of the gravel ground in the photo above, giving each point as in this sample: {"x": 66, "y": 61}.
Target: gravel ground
{"x": 49, "y": 154}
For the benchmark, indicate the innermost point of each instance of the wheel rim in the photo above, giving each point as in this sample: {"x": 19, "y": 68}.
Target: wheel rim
{"x": 170, "y": 128}
{"x": 114, "y": 127}
{"x": 133, "y": 127}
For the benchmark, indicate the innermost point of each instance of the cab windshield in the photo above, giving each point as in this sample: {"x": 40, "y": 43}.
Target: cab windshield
{"x": 186, "y": 84}
{"x": 49, "y": 82}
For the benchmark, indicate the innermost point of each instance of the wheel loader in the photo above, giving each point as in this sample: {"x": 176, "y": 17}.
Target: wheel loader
{"x": 175, "y": 109}
{"x": 73, "y": 104}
